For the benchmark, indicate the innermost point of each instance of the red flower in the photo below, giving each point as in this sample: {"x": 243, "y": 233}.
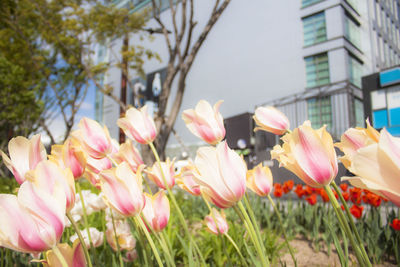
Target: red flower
{"x": 355, "y": 195}
{"x": 278, "y": 192}
{"x": 312, "y": 200}
{"x": 299, "y": 190}
{"x": 342, "y": 207}
{"x": 324, "y": 195}
{"x": 344, "y": 187}
{"x": 308, "y": 190}
{"x": 288, "y": 186}
{"x": 356, "y": 211}
{"x": 336, "y": 195}
{"x": 346, "y": 196}
{"x": 396, "y": 224}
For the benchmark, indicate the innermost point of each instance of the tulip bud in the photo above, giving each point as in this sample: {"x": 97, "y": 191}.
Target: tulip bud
{"x": 222, "y": 175}
{"x": 138, "y": 125}
{"x": 95, "y": 140}
{"x": 186, "y": 182}
{"x": 24, "y": 155}
{"x": 309, "y": 154}
{"x": 205, "y": 122}
{"x": 73, "y": 256}
{"x": 221, "y": 226}
{"x": 156, "y": 174}
{"x": 259, "y": 180}
{"x": 156, "y": 211}
{"x": 130, "y": 154}
{"x": 270, "y": 119}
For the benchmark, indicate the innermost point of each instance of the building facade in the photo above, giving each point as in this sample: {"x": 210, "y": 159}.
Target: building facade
{"x": 306, "y": 57}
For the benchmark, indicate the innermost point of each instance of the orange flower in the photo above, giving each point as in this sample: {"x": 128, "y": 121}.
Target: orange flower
{"x": 356, "y": 211}
{"x": 299, "y": 190}
{"x": 308, "y": 191}
{"x": 355, "y": 195}
{"x": 346, "y": 196}
{"x": 278, "y": 192}
{"x": 344, "y": 187}
{"x": 395, "y": 224}
{"x": 312, "y": 200}
{"x": 288, "y": 186}
{"x": 324, "y": 195}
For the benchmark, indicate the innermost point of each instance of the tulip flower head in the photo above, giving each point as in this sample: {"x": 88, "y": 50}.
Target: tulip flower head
{"x": 222, "y": 175}
{"x": 356, "y": 211}
{"x": 278, "y": 191}
{"x": 312, "y": 200}
{"x": 130, "y": 154}
{"x": 377, "y": 167}
{"x": 69, "y": 155}
{"x": 123, "y": 189}
{"x": 309, "y": 154}
{"x": 216, "y": 222}
{"x": 205, "y": 122}
{"x": 24, "y": 155}
{"x": 259, "y": 180}
{"x": 395, "y": 224}
{"x": 138, "y": 125}
{"x": 354, "y": 139}
{"x": 156, "y": 211}
{"x": 47, "y": 174}
{"x": 34, "y": 220}
{"x": 271, "y": 120}
{"x": 95, "y": 140}
{"x": 74, "y": 256}
{"x": 156, "y": 173}
{"x": 185, "y": 180}
{"x": 287, "y": 186}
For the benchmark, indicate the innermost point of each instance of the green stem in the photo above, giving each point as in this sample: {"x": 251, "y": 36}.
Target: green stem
{"x": 142, "y": 243}
{"x": 345, "y": 225}
{"x": 153, "y": 247}
{"x": 175, "y": 203}
{"x": 253, "y": 219}
{"x": 283, "y": 229}
{"x": 2, "y": 257}
{"x": 352, "y": 225}
{"x": 121, "y": 263}
{"x": 237, "y": 249}
{"x": 165, "y": 247}
{"x": 264, "y": 260}
{"x": 60, "y": 256}
{"x": 83, "y": 244}
{"x": 84, "y": 213}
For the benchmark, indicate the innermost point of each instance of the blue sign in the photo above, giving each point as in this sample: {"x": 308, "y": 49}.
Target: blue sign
{"x": 390, "y": 76}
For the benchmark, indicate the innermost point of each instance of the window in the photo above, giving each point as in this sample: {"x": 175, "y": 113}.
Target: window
{"x": 320, "y": 112}
{"x": 359, "y": 112}
{"x": 356, "y": 71}
{"x": 352, "y": 32}
{"x": 317, "y": 70}
{"x": 314, "y": 29}
{"x": 305, "y": 3}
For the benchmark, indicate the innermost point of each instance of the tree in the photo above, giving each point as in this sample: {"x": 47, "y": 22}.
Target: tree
{"x": 51, "y": 44}
{"x": 182, "y": 54}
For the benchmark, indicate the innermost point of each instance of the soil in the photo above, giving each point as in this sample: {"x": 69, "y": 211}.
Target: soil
{"x": 306, "y": 255}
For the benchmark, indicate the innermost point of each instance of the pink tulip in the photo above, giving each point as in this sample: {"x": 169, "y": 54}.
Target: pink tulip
{"x": 271, "y": 120}
{"x": 205, "y": 122}
{"x": 222, "y": 174}
{"x": 259, "y": 180}
{"x": 69, "y": 155}
{"x": 25, "y": 155}
{"x": 186, "y": 182}
{"x": 354, "y": 139}
{"x": 130, "y": 154}
{"x": 377, "y": 167}
{"x": 98, "y": 165}
{"x": 34, "y": 220}
{"x": 156, "y": 174}
{"x": 156, "y": 211}
{"x": 221, "y": 226}
{"x": 47, "y": 175}
{"x": 138, "y": 125}
{"x": 309, "y": 154}
{"x": 123, "y": 190}
{"x": 95, "y": 140}
{"x": 93, "y": 178}
{"x": 74, "y": 256}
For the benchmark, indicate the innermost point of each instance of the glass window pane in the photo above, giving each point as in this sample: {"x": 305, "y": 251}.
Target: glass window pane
{"x": 320, "y": 111}
{"x": 314, "y": 29}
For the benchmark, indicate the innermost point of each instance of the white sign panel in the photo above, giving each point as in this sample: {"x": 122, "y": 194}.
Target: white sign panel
{"x": 378, "y": 99}
{"x": 393, "y": 98}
